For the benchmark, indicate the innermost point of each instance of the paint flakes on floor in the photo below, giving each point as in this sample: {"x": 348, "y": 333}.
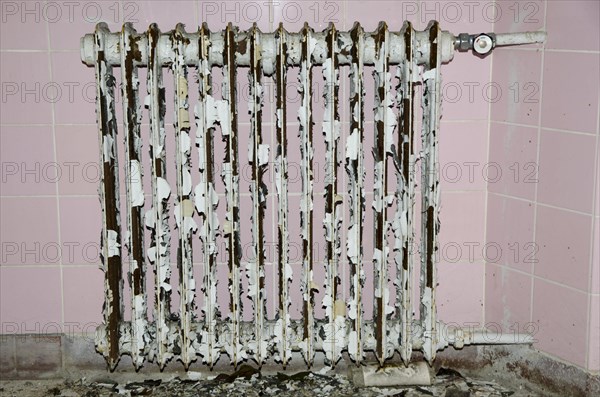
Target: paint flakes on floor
{"x": 248, "y": 382}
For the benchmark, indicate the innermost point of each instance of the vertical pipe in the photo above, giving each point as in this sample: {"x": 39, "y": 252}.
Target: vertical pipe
{"x": 334, "y": 329}
{"x": 184, "y": 209}
{"x": 355, "y": 170}
{"x": 259, "y": 158}
{"x": 230, "y": 176}
{"x": 405, "y": 194}
{"x": 109, "y": 198}
{"x": 134, "y": 192}
{"x": 306, "y": 202}
{"x": 283, "y": 324}
{"x": 207, "y": 200}
{"x": 384, "y": 127}
{"x": 430, "y": 192}
{"x": 158, "y": 218}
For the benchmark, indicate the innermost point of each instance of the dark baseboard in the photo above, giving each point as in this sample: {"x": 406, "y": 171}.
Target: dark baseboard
{"x": 72, "y": 357}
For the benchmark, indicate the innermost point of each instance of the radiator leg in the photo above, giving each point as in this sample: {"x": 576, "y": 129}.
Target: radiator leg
{"x": 109, "y": 199}
{"x": 306, "y": 202}
{"x": 334, "y": 329}
{"x": 206, "y": 203}
{"x": 405, "y": 195}
{"x": 430, "y": 193}
{"x": 259, "y": 159}
{"x": 158, "y": 218}
{"x": 283, "y": 329}
{"x": 385, "y": 122}
{"x": 134, "y": 194}
{"x": 230, "y": 174}
{"x": 184, "y": 207}
{"x": 356, "y": 191}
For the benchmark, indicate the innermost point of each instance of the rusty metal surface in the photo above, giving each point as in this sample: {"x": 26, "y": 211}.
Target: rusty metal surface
{"x": 230, "y": 175}
{"x": 110, "y": 203}
{"x": 259, "y": 158}
{"x": 282, "y": 333}
{"x": 430, "y": 192}
{"x": 404, "y": 162}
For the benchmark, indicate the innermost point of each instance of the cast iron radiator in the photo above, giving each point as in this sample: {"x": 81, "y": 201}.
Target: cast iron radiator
{"x": 181, "y": 213}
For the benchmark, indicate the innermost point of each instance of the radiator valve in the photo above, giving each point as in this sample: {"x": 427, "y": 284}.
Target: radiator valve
{"x": 482, "y": 43}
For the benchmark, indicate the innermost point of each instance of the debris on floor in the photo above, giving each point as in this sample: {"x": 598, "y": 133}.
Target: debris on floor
{"x": 248, "y": 382}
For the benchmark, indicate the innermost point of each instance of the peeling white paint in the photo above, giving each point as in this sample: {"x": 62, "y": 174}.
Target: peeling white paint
{"x": 343, "y": 327}
{"x": 135, "y": 180}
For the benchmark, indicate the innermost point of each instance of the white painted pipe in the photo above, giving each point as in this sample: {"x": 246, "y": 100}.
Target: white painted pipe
{"x": 166, "y": 52}
{"x": 503, "y": 39}
{"x": 269, "y": 49}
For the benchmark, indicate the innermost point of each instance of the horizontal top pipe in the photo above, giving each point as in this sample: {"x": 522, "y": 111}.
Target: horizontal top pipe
{"x": 269, "y": 48}
{"x": 449, "y": 43}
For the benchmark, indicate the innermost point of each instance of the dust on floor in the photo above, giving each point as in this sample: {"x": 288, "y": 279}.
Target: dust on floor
{"x": 249, "y": 383}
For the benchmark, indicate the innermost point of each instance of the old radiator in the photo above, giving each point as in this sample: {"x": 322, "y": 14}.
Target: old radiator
{"x": 185, "y": 333}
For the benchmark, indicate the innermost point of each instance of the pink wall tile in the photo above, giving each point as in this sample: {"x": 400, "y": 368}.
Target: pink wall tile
{"x": 165, "y": 13}
{"x": 596, "y": 257}
{"x": 77, "y": 156}
{"x": 561, "y": 317}
{"x": 467, "y": 95}
{"x": 20, "y": 17}
{"x": 465, "y": 304}
{"x": 570, "y": 112}
{"x": 586, "y": 29}
{"x": 242, "y": 14}
{"x": 513, "y": 168}
{"x": 519, "y": 16}
{"x": 80, "y": 226}
{"x": 80, "y": 18}
{"x": 457, "y": 17}
{"x": 83, "y": 296}
{"x": 29, "y": 231}
{"x": 368, "y": 14}
{"x": 507, "y": 297}
{"x": 28, "y": 168}
{"x": 563, "y": 239}
{"x": 510, "y": 227}
{"x": 76, "y": 103}
{"x": 462, "y": 218}
{"x": 566, "y": 170}
{"x": 517, "y": 74}
{"x": 30, "y": 299}
{"x": 27, "y": 89}
{"x": 460, "y": 165}
{"x": 594, "y": 341}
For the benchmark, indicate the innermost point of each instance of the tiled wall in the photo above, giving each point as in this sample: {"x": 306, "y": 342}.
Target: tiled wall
{"x": 546, "y": 209}
{"x": 50, "y": 211}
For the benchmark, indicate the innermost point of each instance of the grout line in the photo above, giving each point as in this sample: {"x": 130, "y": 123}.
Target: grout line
{"x": 20, "y": 51}
{"x": 539, "y": 144}
{"x": 56, "y": 190}
{"x": 539, "y": 48}
{"x": 547, "y": 280}
{"x": 41, "y": 196}
{"x": 487, "y": 193}
{"x": 593, "y": 233}
{"x": 551, "y": 50}
{"x": 508, "y": 196}
{"x": 593, "y": 134}
{"x": 564, "y": 209}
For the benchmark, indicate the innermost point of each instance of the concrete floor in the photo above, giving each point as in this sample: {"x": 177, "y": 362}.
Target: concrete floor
{"x": 248, "y": 383}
